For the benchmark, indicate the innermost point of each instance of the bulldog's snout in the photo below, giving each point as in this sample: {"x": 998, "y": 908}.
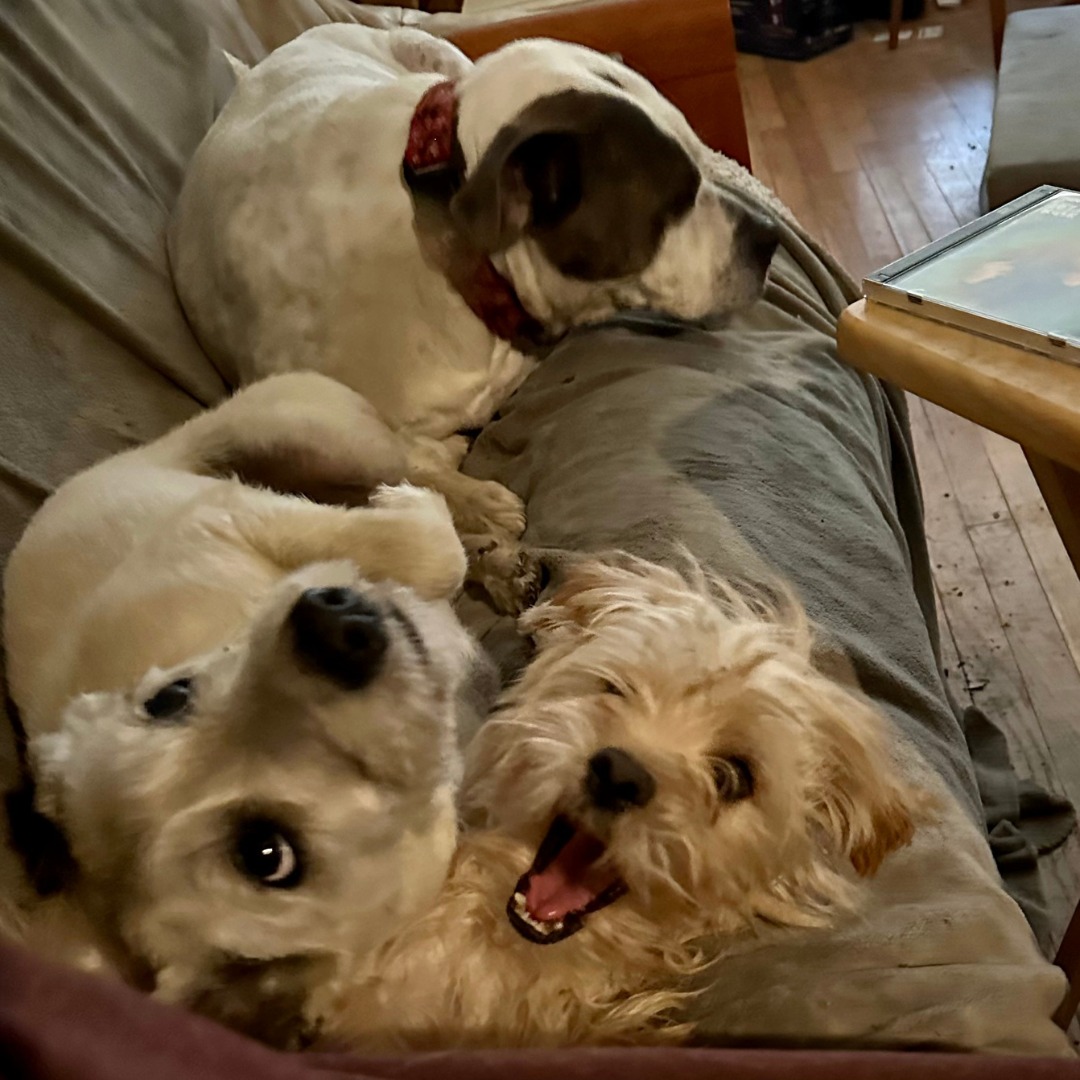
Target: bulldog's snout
{"x": 757, "y": 237}
{"x": 341, "y": 634}
{"x": 617, "y": 781}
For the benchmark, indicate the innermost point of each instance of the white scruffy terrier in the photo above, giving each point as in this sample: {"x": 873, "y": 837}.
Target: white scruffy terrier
{"x": 372, "y": 205}
{"x": 242, "y": 706}
{"x": 670, "y": 771}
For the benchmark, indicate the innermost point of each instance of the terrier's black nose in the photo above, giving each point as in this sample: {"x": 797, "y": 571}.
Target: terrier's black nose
{"x": 341, "y": 634}
{"x": 617, "y": 781}
{"x": 757, "y": 236}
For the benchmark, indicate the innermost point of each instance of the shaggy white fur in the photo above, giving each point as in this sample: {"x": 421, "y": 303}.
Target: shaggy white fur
{"x": 243, "y": 705}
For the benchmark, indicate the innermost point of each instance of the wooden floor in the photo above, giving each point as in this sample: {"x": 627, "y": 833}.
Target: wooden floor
{"x": 877, "y": 153}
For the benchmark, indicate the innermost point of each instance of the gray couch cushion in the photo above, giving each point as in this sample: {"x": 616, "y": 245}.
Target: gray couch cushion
{"x": 1035, "y": 138}
{"x": 758, "y": 450}
{"x": 102, "y": 103}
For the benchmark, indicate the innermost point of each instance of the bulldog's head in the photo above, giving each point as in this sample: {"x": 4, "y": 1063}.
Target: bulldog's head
{"x": 586, "y": 187}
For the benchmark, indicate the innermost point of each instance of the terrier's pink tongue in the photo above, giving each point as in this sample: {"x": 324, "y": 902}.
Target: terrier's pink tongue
{"x": 570, "y": 882}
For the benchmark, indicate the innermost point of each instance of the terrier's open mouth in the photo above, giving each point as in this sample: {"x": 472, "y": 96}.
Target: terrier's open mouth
{"x": 563, "y": 886}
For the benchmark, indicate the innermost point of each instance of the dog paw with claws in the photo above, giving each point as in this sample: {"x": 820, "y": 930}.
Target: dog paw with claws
{"x": 491, "y": 510}
{"x": 507, "y": 572}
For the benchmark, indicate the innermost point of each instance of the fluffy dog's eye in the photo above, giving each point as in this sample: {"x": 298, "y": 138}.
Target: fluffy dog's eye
{"x": 170, "y": 702}
{"x": 609, "y": 687}
{"x": 264, "y": 852}
{"x": 734, "y": 778}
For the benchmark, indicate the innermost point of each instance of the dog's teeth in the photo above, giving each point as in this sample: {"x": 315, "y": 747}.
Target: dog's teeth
{"x": 526, "y": 916}
{"x": 539, "y": 924}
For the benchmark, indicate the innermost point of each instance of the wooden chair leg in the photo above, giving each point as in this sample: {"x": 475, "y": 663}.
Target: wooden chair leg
{"x": 896, "y": 9}
{"x": 997, "y": 28}
{"x": 1060, "y": 487}
{"x": 1068, "y": 959}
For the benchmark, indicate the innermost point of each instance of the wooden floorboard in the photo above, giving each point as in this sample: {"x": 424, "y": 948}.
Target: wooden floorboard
{"x": 879, "y": 152}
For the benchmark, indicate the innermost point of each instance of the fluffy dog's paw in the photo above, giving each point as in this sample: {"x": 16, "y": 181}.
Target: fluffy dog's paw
{"x": 456, "y": 447}
{"x": 507, "y": 572}
{"x": 409, "y": 499}
{"x": 492, "y": 510}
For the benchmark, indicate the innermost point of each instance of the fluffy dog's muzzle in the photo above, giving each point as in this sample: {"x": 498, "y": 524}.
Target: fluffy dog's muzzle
{"x": 571, "y": 876}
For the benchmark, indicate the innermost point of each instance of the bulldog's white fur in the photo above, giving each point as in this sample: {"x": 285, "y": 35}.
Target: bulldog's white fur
{"x": 295, "y": 244}
{"x": 251, "y": 798}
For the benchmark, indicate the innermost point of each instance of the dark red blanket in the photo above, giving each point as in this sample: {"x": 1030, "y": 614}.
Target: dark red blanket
{"x": 58, "y": 1024}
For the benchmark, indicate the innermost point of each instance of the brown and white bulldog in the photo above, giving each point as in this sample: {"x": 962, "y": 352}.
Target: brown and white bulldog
{"x": 373, "y": 206}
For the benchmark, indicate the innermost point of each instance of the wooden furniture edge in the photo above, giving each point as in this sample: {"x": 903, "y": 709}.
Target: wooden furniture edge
{"x": 998, "y": 15}
{"x": 685, "y": 48}
{"x": 1041, "y": 410}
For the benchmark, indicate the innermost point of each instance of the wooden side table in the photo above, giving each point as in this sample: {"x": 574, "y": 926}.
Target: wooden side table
{"x": 1028, "y": 398}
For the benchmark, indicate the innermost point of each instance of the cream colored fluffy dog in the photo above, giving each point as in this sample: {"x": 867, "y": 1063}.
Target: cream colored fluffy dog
{"x": 242, "y": 706}
{"x": 670, "y": 771}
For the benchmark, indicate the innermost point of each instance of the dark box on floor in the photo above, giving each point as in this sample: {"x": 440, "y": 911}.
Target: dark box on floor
{"x": 790, "y": 29}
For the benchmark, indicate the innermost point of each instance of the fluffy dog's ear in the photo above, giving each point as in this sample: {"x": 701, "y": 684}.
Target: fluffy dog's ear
{"x": 589, "y": 176}
{"x": 863, "y": 808}
{"x": 268, "y": 1000}
{"x": 49, "y": 756}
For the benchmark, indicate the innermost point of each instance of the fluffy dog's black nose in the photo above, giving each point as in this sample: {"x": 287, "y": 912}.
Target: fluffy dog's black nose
{"x": 341, "y": 634}
{"x": 617, "y": 781}
{"x": 758, "y": 236}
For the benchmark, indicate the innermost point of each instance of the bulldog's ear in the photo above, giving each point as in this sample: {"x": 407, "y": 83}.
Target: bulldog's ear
{"x": 589, "y": 176}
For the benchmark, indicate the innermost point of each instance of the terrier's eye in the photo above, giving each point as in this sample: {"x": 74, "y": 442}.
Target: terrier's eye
{"x": 265, "y": 852}
{"x": 734, "y": 778}
{"x": 171, "y": 702}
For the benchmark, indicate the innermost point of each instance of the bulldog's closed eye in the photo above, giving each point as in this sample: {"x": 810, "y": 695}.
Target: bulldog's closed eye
{"x": 734, "y": 778}
{"x": 171, "y": 703}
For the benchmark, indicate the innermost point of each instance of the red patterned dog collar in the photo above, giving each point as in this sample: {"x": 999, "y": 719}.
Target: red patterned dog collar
{"x": 433, "y": 131}
{"x": 433, "y": 166}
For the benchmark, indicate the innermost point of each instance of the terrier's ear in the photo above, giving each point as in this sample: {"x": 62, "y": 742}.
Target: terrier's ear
{"x": 864, "y": 808}
{"x": 50, "y": 756}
